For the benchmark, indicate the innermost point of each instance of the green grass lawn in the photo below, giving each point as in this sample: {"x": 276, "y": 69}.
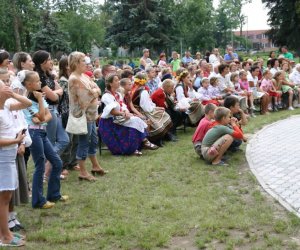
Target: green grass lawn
{"x": 163, "y": 199}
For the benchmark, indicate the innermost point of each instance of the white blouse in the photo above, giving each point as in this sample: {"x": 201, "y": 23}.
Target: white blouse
{"x": 146, "y": 103}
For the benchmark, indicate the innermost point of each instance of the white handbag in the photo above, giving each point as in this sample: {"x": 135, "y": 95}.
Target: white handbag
{"x": 77, "y": 126}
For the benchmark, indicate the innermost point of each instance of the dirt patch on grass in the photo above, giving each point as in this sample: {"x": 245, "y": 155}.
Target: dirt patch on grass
{"x": 282, "y": 234}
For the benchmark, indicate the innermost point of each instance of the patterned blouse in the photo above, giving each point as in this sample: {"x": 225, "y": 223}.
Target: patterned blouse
{"x": 81, "y": 97}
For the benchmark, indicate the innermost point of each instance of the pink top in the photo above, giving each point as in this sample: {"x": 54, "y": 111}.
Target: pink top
{"x": 201, "y": 130}
{"x": 244, "y": 85}
{"x": 266, "y": 85}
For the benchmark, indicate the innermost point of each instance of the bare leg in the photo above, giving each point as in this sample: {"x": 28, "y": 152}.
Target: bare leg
{"x": 82, "y": 170}
{"x": 5, "y": 234}
{"x": 223, "y": 148}
{"x": 95, "y": 163}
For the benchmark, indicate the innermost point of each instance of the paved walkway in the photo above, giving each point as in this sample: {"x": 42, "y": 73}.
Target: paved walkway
{"x": 273, "y": 155}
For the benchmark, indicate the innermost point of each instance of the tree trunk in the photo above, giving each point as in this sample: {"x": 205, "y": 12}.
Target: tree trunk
{"x": 16, "y": 26}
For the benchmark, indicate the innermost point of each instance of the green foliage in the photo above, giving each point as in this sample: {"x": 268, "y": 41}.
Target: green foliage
{"x": 138, "y": 23}
{"x": 284, "y": 18}
{"x": 85, "y": 26}
{"x": 195, "y": 24}
{"x": 50, "y": 37}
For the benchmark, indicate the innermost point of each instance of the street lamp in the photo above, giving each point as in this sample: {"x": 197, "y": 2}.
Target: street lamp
{"x": 246, "y": 34}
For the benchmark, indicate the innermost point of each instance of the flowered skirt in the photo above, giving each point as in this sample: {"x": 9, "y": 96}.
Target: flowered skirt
{"x": 119, "y": 139}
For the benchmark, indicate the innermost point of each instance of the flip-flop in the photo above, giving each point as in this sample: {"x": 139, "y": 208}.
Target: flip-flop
{"x": 221, "y": 163}
{"x": 20, "y": 236}
{"x": 15, "y": 242}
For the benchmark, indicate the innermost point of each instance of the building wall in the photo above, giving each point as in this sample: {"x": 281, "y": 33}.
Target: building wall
{"x": 260, "y": 40}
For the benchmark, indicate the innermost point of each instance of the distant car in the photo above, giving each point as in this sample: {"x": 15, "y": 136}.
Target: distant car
{"x": 253, "y": 52}
{"x": 241, "y": 49}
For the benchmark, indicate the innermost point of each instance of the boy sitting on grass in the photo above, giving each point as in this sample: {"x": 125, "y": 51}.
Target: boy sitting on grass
{"x": 219, "y": 138}
{"x": 203, "y": 127}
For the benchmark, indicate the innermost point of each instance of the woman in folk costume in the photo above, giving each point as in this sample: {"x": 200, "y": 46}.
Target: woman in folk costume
{"x": 188, "y": 98}
{"x": 159, "y": 121}
{"x": 120, "y": 130}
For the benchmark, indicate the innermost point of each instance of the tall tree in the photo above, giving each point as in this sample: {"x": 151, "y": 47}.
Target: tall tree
{"x": 50, "y": 37}
{"x": 137, "y": 23}
{"x": 85, "y": 26}
{"x": 195, "y": 23}
{"x": 284, "y": 18}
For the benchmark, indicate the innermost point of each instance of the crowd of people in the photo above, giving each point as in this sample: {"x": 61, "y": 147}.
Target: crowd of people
{"x": 128, "y": 108}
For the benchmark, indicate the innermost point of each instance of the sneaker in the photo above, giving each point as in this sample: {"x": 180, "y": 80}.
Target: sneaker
{"x": 64, "y": 198}
{"x": 253, "y": 108}
{"x": 291, "y": 108}
{"x": 48, "y": 205}
{"x": 252, "y": 115}
{"x": 298, "y": 105}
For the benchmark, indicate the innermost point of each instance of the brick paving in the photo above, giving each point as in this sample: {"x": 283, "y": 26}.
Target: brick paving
{"x": 273, "y": 155}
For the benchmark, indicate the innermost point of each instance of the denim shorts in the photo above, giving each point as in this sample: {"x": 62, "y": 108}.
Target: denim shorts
{"x": 8, "y": 170}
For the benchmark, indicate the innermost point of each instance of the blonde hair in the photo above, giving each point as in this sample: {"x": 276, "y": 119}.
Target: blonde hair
{"x": 74, "y": 59}
{"x": 220, "y": 113}
{"x": 167, "y": 83}
{"x": 182, "y": 75}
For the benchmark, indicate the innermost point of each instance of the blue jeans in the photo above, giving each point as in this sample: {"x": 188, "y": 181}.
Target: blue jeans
{"x": 235, "y": 144}
{"x": 87, "y": 144}
{"x": 55, "y": 131}
{"x": 42, "y": 149}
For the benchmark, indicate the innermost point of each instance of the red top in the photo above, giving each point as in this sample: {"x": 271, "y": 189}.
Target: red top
{"x": 201, "y": 130}
{"x": 159, "y": 98}
{"x": 237, "y": 131}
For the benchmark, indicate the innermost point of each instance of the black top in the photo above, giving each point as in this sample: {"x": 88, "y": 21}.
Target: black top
{"x": 47, "y": 80}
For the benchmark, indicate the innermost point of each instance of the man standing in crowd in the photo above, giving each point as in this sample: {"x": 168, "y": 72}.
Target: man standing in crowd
{"x": 187, "y": 59}
{"x": 145, "y": 60}
{"x": 230, "y": 56}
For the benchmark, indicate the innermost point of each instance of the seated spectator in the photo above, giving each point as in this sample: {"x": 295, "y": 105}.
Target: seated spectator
{"x": 244, "y": 85}
{"x": 152, "y": 84}
{"x": 215, "y": 57}
{"x": 162, "y": 60}
{"x": 187, "y": 59}
{"x": 198, "y": 78}
{"x": 203, "y": 127}
{"x": 267, "y": 86}
{"x": 274, "y": 64}
{"x": 295, "y": 75}
{"x": 162, "y": 97}
{"x": 159, "y": 120}
{"x": 188, "y": 98}
{"x": 205, "y": 93}
{"x": 258, "y": 93}
{"x": 219, "y": 138}
{"x": 214, "y": 90}
{"x": 232, "y": 103}
{"x": 281, "y": 85}
{"x": 120, "y": 130}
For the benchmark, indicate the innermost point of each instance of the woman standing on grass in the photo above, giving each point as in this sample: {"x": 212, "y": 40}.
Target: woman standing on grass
{"x": 83, "y": 98}
{"x": 55, "y": 132}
